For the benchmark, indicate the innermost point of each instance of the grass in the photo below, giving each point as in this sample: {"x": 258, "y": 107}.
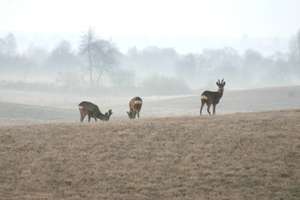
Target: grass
{"x": 236, "y": 156}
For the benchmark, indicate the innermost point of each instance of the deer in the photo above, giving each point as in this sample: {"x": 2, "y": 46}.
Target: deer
{"x": 212, "y": 97}
{"x": 135, "y": 105}
{"x": 92, "y": 110}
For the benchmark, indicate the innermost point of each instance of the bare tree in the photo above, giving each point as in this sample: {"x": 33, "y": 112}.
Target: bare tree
{"x": 87, "y": 49}
{"x": 102, "y": 55}
{"x": 8, "y": 45}
{"x": 295, "y": 49}
{"x": 62, "y": 57}
{"x": 106, "y": 58}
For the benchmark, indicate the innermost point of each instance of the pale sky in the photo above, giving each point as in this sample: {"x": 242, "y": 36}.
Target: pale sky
{"x": 153, "y": 18}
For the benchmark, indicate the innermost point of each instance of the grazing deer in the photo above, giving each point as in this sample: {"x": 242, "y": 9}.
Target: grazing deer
{"x": 212, "y": 97}
{"x": 92, "y": 110}
{"x": 135, "y": 105}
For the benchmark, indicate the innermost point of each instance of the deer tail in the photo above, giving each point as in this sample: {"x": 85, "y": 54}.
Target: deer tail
{"x": 204, "y": 97}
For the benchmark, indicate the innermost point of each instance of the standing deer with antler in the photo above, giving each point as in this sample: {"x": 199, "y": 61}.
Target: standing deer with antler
{"x": 212, "y": 97}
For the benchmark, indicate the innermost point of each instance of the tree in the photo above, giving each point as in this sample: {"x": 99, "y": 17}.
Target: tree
{"x": 62, "y": 57}
{"x": 102, "y": 55}
{"x": 87, "y": 49}
{"x": 186, "y": 67}
{"x": 106, "y": 58}
{"x": 253, "y": 60}
{"x": 8, "y": 45}
{"x": 37, "y": 55}
{"x": 295, "y": 50}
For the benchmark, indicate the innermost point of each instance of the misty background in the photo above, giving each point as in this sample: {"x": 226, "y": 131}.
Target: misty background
{"x": 58, "y": 53}
{"x": 97, "y": 63}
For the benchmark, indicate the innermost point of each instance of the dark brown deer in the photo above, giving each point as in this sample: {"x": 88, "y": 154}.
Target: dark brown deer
{"x": 135, "y": 105}
{"x": 92, "y": 110}
{"x": 212, "y": 97}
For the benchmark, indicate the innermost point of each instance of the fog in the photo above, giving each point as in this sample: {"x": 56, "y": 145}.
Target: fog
{"x": 147, "y": 49}
{"x": 97, "y": 63}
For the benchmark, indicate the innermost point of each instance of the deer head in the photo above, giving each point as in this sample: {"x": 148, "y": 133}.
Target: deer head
{"x": 221, "y": 85}
{"x": 131, "y": 114}
{"x": 106, "y": 116}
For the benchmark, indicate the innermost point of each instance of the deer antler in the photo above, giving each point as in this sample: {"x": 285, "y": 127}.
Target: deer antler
{"x": 223, "y": 82}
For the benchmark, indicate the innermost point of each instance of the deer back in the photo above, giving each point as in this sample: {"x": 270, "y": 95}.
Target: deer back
{"x": 89, "y": 108}
{"x": 214, "y": 96}
{"x": 135, "y": 104}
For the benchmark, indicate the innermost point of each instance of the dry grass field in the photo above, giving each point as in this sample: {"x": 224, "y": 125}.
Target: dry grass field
{"x": 235, "y": 157}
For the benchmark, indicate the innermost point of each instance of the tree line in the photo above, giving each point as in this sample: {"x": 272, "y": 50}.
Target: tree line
{"x": 98, "y": 63}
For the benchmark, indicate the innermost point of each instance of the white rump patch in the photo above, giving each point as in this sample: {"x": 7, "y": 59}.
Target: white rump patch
{"x": 204, "y": 97}
{"x": 81, "y": 107}
{"x": 138, "y": 102}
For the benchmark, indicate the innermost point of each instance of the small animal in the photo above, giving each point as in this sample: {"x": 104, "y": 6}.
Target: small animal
{"x": 212, "y": 97}
{"x": 135, "y": 105}
{"x": 92, "y": 110}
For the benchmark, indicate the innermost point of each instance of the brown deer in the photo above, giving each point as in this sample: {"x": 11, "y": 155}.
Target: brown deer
{"x": 212, "y": 97}
{"x": 92, "y": 110}
{"x": 135, "y": 105}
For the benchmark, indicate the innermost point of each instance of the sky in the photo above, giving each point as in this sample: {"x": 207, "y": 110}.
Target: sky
{"x": 153, "y": 21}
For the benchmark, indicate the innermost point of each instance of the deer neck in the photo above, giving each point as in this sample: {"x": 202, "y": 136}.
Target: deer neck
{"x": 220, "y": 91}
{"x": 107, "y": 115}
{"x": 100, "y": 115}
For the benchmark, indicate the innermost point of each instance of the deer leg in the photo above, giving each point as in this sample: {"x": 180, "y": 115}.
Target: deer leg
{"x": 93, "y": 116}
{"x": 89, "y": 117}
{"x": 82, "y": 116}
{"x": 208, "y": 108}
{"x": 214, "y": 109}
{"x": 138, "y": 114}
{"x": 132, "y": 116}
{"x": 202, "y": 104}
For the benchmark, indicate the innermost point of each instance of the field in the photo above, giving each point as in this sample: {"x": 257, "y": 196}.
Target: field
{"x": 245, "y": 152}
{"x": 233, "y": 156}
{"x": 23, "y": 107}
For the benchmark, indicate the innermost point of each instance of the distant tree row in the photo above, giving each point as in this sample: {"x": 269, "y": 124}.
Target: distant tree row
{"x": 98, "y": 63}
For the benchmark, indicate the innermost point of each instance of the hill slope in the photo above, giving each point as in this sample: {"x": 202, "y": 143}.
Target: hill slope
{"x": 237, "y": 156}
{"x": 18, "y": 107}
